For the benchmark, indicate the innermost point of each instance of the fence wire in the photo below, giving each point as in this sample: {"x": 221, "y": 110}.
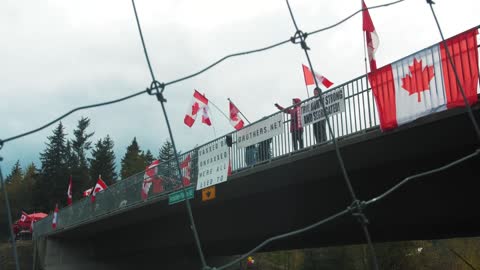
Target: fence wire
{"x": 360, "y": 116}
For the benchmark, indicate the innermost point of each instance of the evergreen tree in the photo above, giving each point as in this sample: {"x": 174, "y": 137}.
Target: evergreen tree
{"x": 168, "y": 163}
{"x": 53, "y": 181}
{"x": 14, "y": 188}
{"x": 79, "y": 165}
{"x": 148, "y": 157}
{"x": 103, "y": 162}
{"x": 133, "y": 162}
{"x": 16, "y": 175}
{"x": 166, "y": 152}
{"x": 29, "y": 179}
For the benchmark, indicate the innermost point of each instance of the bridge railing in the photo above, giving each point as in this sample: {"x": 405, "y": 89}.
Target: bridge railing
{"x": 360, "y": 116}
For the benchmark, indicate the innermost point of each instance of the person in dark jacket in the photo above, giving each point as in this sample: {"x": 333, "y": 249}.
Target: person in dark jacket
{"x": 296, "y": 127}
{"x": 319, "y": 128}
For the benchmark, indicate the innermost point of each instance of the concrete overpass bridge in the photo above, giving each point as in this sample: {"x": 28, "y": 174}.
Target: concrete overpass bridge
{"x": 285, "y": 190}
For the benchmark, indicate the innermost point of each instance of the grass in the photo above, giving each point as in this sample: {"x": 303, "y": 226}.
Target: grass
{"x": 24, "y": 250}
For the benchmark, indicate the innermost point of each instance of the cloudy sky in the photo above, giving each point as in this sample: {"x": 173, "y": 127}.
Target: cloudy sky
{"x": 56, "y": 55}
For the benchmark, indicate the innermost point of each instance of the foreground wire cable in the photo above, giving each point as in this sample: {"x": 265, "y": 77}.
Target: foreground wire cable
{"x": 415, "y": 176}
{"x": 353, "y": 14}
{"x": 349, "y": 209}
{"x": 454, "y": 67}
{"x": 285, "y": 235}
{"x": 188, "y": 76}
{"x": 160, "y": 98}
{"x": 355, "y": 202}
{"x": 72, "y": 111}
{"x": 9, "y": 218}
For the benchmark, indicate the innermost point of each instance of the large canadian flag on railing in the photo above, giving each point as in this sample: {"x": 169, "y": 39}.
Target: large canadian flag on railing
{"x": 425, "y": 82}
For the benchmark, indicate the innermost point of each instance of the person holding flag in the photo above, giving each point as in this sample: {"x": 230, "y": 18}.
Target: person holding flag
{"x": 320, "y": 127}
{"x": 296, "y": 127}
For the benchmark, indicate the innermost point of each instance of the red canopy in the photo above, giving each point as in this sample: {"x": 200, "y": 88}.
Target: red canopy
{"x": 37, "y": 216}
{"x": 28, "y": 220}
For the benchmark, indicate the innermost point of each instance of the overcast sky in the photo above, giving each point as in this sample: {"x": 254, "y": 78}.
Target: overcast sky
{"x": 58, "y": 54}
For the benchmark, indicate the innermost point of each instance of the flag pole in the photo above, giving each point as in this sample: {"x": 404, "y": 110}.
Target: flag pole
{"x": 210, "y": 102}
{"x": 306, "y": 88}
{"x": 365, "y": 51}
{"x": 211, "y": 120}
{"x": 364, "y": 37}
{"x": 241, "y": 111}
{"x": 9, "y": 217}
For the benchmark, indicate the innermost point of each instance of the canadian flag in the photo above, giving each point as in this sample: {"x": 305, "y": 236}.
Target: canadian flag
{"x": 309, "y": 80}
{"x": 205, "y": 117}
{"x": 87, "y": 192}
{"x": 235, "y": 119}
{"x": 199, "y": 104}
{"x": 23, "y": 217}
{"x": 371, "y": 36}
{"x": 150, "y": 173}
{"x": 55, "y": 217}
{"x": 100, "y": 186}
{"x": 69, "y": 192}
{"x": 424, "y": 82}
{"x": 185, "y": 165}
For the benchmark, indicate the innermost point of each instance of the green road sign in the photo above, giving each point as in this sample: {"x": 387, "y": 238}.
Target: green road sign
{"x": 178, "y": 196}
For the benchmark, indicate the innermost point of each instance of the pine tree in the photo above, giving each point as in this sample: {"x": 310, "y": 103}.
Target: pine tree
{"x": 103, "y": 161}
{"x": 14, "y": 188}
{"x": 29, "y": 179}
{"x": 133, "y": 162}
{"x": 166, "y": 152}
{"x": 149, "y": 158}
{"x": 168, "y": 165}
{"x": 16, "y": 175}
{"x": 53, "y": 181}
{"x": 79, "y": 165}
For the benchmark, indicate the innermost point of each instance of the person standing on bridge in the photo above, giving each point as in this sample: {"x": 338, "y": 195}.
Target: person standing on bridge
{"x": 319, "y": 128}
{"x": 296, "y": 127}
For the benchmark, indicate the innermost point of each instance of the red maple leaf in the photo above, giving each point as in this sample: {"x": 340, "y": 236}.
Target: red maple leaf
{"x": 195, "y": 108}
{"x": 420, "y": 79}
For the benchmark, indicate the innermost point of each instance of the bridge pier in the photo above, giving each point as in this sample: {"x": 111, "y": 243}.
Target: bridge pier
{"x": 62, "y": 254}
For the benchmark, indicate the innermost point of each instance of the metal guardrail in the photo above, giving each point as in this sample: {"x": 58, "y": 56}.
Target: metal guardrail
{"x": 360, "y": 116}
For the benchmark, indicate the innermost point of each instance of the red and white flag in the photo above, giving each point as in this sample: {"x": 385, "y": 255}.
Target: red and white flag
{"x": 55, "y": 217}
{"x": 205, "y": 117}
{"x": 309, "y": 80}
{"x": 235, "y": 119}
{"x": 148, "y": 178}
{"x": 199, "y": 104}
{"x": 99, "y": 187}
{"x": 87, "y": 192}
{"x": 23, "y": 217}
{"x": 371, "y": 36}
{"x": 69, "y": 192}
{"x": 185, "y": 166}
{"x": 425, "y": 83}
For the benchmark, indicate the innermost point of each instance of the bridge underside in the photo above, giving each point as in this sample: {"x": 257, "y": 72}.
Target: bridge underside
{"x": 290, "y": 193}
